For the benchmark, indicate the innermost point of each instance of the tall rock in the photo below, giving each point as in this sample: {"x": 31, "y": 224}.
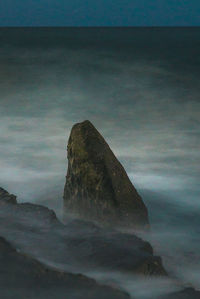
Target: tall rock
{"x": 97, "y": 186}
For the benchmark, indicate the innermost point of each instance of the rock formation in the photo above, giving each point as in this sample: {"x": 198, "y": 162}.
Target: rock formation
{"x": 78, "y": 245}
{"x": 24, "y": 277}
{"x": 97, "y": 186}
{"x": 7, "y": 197}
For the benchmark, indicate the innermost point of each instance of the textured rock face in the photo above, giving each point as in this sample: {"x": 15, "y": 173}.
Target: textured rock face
{"x": 5, "y": 197}
{"x": 97, "y": 186}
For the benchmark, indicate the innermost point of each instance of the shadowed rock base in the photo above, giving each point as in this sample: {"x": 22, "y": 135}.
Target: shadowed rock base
{"x": 188, "y": 293}
{"x": 78, "y": 245}
{"x": 97, "y": 187}
{"x": 23, "y": 277}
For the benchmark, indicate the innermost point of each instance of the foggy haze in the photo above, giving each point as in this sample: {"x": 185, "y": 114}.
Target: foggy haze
{"x": 139, "y": 87}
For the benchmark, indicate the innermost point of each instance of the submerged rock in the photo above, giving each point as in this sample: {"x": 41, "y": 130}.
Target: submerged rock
{"x": 79, "y": 246}
{"x": 188, "y": 293}
{"x": 97, "y": 187}
{"x": 21, "y": 276}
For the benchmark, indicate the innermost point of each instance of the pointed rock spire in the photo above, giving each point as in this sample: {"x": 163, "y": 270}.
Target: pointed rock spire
{"x": 97, "y": 186}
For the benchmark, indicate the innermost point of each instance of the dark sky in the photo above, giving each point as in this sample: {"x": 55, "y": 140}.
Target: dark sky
{"x": 100, "y": 13}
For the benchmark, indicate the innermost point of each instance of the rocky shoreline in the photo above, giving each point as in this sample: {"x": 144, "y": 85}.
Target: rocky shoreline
{"x": 38, "y": 235}
{"x": 41, "y": 257}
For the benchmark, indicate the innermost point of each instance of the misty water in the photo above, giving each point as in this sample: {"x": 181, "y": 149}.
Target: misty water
{"x": 140, "y": 88}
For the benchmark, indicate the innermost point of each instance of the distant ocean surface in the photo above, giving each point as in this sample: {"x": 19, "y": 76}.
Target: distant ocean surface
{"x": 140, "y": 88}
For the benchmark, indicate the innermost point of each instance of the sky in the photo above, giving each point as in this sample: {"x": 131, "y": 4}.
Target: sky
{"x": 100, "y": 13}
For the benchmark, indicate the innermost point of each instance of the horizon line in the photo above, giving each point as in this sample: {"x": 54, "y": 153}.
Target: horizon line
{"x": 97, "y": 26}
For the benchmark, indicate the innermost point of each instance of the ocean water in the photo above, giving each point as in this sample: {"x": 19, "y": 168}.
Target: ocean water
{"x": 140, "y": 88}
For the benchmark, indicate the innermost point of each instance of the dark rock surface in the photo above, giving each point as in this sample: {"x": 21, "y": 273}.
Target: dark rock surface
{"x": 97, "y": 187}
{"x": 188, "y": 293}
{"x": 23, "y": 277}
{"x": 78, "y": 245}
{"x": 7, "y": 197}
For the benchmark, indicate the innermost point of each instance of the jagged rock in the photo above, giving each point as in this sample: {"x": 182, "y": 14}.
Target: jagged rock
{"x": 5, "y": 197}
{"x": 42, "y": 215}
{"x": 23, "y": 277}
{"x": 97, "y": 187}
{"x": 78, "y": 245}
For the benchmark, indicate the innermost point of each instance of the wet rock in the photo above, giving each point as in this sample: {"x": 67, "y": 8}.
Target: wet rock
{"x": 97, "y": 248}
{"x": 97, "y": 187}
{"x": 27, "y": 211}
{"x": 188, "y": 293}
{"x": 5, "y": 197}
{"x": 81, "y": 246}
{"x": 23, "y": 277}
